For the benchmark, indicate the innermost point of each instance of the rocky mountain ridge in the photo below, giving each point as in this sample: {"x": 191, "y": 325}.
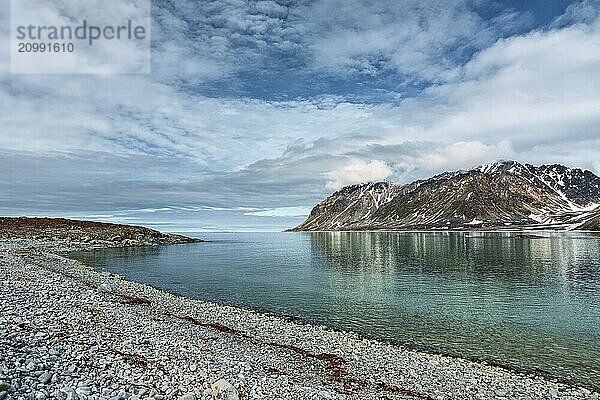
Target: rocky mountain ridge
{"x": 500, "y": 195}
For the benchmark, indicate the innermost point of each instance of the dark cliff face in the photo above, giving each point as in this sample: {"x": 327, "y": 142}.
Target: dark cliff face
{"x": 500, "y": 195}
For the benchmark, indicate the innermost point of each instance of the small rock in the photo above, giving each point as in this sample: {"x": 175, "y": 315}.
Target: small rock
{"x": 71, "y": 395}
{"x": 83, "y": 390}
{"x": 45, "y": 378}
{"x": 223, "y": 390}
{"x": 105, "y": 288}
{"x": 59, "y": 395}
{"x": 188, "y": 396}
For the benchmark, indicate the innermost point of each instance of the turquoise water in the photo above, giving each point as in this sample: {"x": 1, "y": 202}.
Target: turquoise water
{"x": 528, "y": 303}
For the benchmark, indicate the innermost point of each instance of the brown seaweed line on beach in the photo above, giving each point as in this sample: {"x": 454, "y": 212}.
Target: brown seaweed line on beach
{"x": 334, "y": 363}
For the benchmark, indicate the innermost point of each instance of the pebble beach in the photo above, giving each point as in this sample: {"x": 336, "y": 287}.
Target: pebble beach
{"x": 70, "y": 332}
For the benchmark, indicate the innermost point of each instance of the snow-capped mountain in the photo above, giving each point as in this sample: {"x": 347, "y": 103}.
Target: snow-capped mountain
{"x": 504, "y": 195}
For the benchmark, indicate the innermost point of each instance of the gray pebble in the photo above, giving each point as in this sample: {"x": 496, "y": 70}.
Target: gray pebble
{"x": 45, "y": 378}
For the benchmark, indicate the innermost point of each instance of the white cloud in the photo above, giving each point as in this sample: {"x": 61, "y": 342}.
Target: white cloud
{"x": 412, "y": 38}
{"x": 357, "y": 171}
{"x": 460, "y": 155}
{"x": 584, "y": 11}
{"x": 538, "y": 87}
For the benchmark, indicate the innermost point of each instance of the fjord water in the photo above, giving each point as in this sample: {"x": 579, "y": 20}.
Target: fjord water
{"x": 524, "y": 302}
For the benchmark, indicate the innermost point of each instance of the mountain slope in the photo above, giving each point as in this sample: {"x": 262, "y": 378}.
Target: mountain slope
{"x": 592, "y": 224}
{"x": 499, "y": 195}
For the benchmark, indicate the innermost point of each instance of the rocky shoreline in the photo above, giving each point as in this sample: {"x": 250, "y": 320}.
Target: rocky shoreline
{"x": 62, "y": 234}
{"x": 70, "y": 332}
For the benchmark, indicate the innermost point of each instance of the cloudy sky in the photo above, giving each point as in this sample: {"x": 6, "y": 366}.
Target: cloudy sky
{"x": 254, "y": 111}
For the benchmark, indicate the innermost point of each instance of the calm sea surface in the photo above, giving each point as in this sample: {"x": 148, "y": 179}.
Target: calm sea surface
{"x": 528, "y": 303}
